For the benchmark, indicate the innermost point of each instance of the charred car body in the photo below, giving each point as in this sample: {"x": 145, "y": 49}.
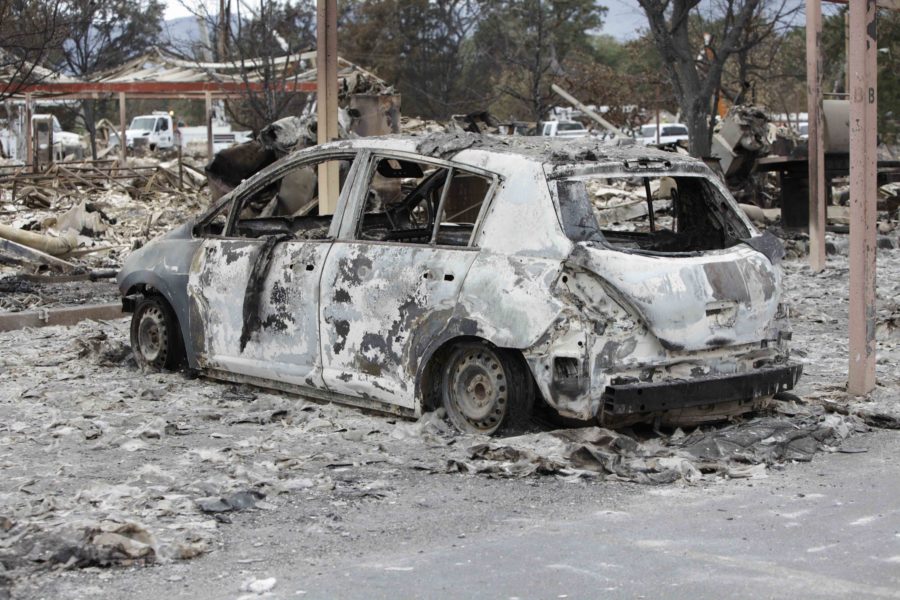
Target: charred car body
{"x": 473, "y": 272}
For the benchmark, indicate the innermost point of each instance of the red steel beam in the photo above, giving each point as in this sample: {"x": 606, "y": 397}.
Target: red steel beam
{"x": 158, "y": 87}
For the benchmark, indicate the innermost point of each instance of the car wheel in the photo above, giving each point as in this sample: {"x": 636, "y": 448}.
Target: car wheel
{"x": 486, "y": 389}
{"x": 155, "y": 336}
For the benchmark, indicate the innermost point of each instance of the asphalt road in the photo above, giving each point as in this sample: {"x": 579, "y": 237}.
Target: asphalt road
{"x": 830, "y": 529}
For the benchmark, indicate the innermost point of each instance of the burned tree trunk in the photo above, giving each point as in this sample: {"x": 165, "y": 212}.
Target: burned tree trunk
{"x": 696, "y": 73}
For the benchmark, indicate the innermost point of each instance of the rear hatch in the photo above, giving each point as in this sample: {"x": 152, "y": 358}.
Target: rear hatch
{"x": 692, "y": 302}
{"x": 672, "y": 246}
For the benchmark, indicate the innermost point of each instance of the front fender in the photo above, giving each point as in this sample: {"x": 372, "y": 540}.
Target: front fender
{"x": 164, "y": 265}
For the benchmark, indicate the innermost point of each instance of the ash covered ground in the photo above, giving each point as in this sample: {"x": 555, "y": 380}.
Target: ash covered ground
{"x": 113, "y": 477}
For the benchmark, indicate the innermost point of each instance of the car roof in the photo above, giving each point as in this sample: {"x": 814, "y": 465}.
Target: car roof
{"x": 549, "y": 151}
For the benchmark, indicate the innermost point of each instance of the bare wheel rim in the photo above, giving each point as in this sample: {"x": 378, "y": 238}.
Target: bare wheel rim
{"x": 153, "y": 337}
{"x": 477, "y": 388}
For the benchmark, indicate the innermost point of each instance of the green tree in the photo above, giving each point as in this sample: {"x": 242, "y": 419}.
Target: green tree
{"x": 420, "y": 46}
{"x": 523, "y": 44}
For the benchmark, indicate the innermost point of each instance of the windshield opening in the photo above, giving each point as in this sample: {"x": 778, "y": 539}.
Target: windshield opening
{"x": 143, "y": 123}
{"x": 682, "y": 213}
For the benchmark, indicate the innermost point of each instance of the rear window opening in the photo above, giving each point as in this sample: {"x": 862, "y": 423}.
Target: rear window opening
{"x": 672, "y": 214}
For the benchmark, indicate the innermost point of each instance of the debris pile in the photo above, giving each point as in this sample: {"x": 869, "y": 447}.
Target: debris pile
{"x": 789, "y": 433}
{"x": 78, "y": 218}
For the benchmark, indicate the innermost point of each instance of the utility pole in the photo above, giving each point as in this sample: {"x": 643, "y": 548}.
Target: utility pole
{"x": 224, "y": 29}
{"x": 816, "y": 138}
{"x": 327, "y": 100}
{"x": 863, "y": 67}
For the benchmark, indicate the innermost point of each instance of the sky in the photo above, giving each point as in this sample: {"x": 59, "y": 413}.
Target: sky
{"x": 623, "y": 17}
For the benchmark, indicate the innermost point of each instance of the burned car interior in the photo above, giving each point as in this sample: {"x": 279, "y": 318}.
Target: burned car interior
{"x": 669, "y": 214}
{"x": 405, "y": 199}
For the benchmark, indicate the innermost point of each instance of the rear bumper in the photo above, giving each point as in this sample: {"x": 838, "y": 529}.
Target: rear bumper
{"x": 637, "y": 398}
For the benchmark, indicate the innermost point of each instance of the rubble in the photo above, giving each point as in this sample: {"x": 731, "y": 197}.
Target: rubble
{"x": 81, "y": 218}
{"x": 731, "y": 451}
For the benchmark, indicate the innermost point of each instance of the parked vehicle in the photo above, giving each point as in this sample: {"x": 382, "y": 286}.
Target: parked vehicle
{"x": 156, "y": 130}
{"x": 471, "y": 273}
{"x": 669, "y": 133}
{"x": 65, "y": 143}
{"x": 567, "y": 129}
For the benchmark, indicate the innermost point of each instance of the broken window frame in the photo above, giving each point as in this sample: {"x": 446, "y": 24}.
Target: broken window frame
{"x": 276, "y": 171}
{"x": 636, "y": 169}
{"x": 367, "y": 165}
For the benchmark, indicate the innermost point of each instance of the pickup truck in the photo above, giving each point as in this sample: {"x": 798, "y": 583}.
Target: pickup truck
{"x": 65, "y": 143}
{"x": 569, "y": 129}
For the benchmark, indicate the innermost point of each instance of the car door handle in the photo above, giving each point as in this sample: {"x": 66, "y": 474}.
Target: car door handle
{"x": 430, "y": 275}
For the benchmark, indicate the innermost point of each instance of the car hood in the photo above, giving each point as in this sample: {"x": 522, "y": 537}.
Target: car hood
{"x": 691, "y": 302}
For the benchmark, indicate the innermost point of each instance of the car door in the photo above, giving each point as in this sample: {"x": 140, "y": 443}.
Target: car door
{"x": 254, "y": 292}
{"x": 381, "y": 298}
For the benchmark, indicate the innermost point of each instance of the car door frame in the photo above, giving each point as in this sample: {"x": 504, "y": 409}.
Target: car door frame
{"x": 235, "y": 198}
{"x": 348, "y": 235}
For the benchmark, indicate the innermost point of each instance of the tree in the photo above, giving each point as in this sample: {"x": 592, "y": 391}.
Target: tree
{"x": 104, "y": 34}
{"x": 625, "y": 77}
{"x": 695, "y": 62}
{"x": 420, "y": 46}
{"x": 524, "y": 43}
{"x": 28, "y": 32}
{"x": 253, "y": 42}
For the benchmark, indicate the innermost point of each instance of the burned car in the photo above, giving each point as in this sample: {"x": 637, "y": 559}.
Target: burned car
{"x": 478, "y": 274}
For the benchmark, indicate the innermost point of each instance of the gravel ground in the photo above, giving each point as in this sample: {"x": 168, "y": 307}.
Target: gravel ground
{"x": 174, "y": 480}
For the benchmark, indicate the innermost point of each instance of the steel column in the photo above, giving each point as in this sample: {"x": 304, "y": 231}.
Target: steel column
{"x": 863, "y": 194}
{"x": 816, "y": 138}
{"x": 209, "y": 126}
{"x": 29, "y": 141}
{"x": 327, "y": 100}
{"x": 123, "y": 142}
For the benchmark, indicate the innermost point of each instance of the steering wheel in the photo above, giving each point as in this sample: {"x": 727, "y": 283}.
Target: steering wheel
{"x": 416, "y": 203}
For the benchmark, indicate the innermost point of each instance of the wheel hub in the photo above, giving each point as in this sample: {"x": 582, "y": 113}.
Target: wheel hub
{"x": 478, "y": 388}
{"x": 152, "y": 335}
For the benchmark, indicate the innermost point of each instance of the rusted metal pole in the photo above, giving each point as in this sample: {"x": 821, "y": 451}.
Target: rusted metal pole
{"x": 816, "y": 138}
{"x": 327, "y": 100}
{"x": 209, "y": 125}
{"x": 657, "y": 113}
{"x": 863, "y": 194}
{"x": 29, "y": 141}
{"x": 122, "y": 127}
